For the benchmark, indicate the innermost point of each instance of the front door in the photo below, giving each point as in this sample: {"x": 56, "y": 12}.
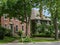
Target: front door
{"x": 12, "y": 29}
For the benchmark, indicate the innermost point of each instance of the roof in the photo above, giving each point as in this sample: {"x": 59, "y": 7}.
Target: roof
{"x": 36, "y": 15}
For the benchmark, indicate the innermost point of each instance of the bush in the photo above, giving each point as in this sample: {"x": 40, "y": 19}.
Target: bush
{"x": 7, "y": 40}
{"x": 2, "y": 33}
{"x": 26, "y": 39}
{"x": 8, "y": 33}
{"x": 38, "y": 35}
{"x": 42, "y": 35}
{"x": 20, "y": 33}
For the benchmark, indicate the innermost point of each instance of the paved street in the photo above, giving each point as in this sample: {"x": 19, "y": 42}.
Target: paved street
{"x": 36, "y": 43}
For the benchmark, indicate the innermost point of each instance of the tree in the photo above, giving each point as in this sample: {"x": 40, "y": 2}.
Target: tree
{"x": 20, "y": 9}
{"x": 27, "y": 13}
{"x": 1, "y": 4}
{"x": 23, "y": 12}
{"x": 39, "y": 4}
{"x": 54, "y": 10}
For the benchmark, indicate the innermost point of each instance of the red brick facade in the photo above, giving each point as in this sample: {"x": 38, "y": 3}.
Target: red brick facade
{"x": 16, "y": 25}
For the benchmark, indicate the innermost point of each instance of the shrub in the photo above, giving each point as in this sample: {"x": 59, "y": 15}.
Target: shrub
{"x": 38, "y": 35}
{"x": 20, "y": 33}
{"x": 8, "y": 33}
{"x": 7, "y": 40}
{"x": 2, "y": 33}
{"x": 27, "y": 39}
{"x": 43, "y": 35}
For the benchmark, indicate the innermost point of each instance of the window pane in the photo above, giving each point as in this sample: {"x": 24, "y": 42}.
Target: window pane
{"x": 16, "y": 27}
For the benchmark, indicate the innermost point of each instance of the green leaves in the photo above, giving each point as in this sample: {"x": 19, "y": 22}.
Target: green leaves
{"x": 17, "y": 8}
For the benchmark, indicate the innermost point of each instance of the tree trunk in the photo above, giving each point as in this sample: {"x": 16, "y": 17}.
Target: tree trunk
{"x": 56, "y": 28}
{"x": 54, "y": 20}
{"x": 26, "y": 26}
{"x": 56, "y": 25}
{"x": 41, "y": 9}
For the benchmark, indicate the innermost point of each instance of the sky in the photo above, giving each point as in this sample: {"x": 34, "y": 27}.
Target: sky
{"x": 45, "y": 12}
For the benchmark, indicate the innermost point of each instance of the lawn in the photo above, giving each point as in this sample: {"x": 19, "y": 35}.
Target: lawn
{"x": 11, "y": 39}
{"x": 43, "y": 40}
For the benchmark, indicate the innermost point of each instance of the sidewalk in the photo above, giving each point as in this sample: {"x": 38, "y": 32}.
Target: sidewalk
{"x": 34, "y": 43}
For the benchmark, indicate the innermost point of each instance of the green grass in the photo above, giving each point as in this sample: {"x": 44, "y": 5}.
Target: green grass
{"x": 11, "y": 39}
{"x": 43, "y": 40}
{"x": 7, "y": 40}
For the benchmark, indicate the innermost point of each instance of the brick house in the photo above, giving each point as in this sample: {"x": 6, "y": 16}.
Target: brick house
{"x": 16, "y": 25}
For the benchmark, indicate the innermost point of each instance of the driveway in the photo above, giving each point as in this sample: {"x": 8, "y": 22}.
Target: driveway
{"x": 36, "y": 43}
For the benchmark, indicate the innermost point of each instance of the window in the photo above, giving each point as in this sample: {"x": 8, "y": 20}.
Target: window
{"x": 11, "y": 26}
{"x": 41, "y": 22}
{"x": 23, "y": 28}
{"x": 5, "y": 26}
{"x": 38, "y": 21}
{"x": 16, "y": 27}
